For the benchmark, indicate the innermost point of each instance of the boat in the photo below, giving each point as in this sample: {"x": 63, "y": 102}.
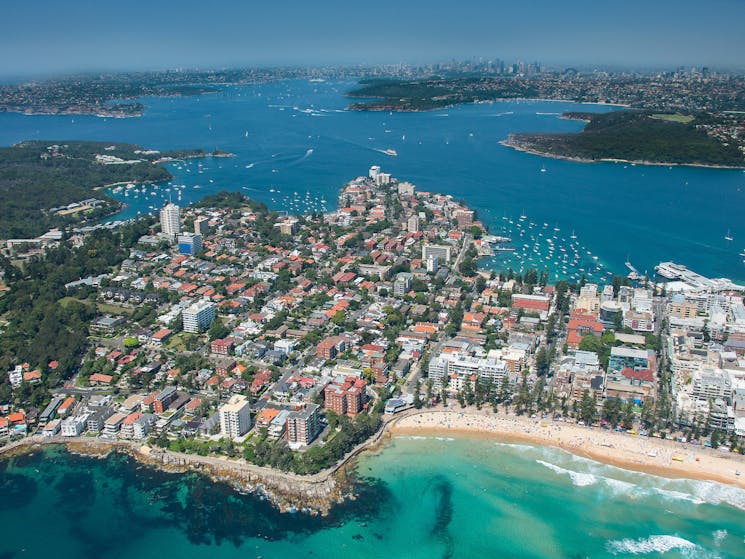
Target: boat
{"x": 391, "y": 152}
{"x": 543, "y": 169}
{"x": 728, "y": 236}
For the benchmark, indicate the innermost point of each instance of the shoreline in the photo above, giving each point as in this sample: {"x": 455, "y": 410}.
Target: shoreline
{"x": 161, "y": 161}
{"x": 318, "y": 493}
{"x": 661, "y": 457}
{"x": 576, "y": 159}
{"x": 315, "y": 494}
{"x": 380, "y": 108}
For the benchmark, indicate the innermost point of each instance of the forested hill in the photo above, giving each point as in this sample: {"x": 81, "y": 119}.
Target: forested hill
{"x": 40, "y": 175}
{"x": 639, "y": 136}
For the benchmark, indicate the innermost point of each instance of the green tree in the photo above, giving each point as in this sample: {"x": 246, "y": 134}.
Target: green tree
{"x": 541, "y": 361}
{"x": 587, "y": 408}
{"x": 217, "y": 330}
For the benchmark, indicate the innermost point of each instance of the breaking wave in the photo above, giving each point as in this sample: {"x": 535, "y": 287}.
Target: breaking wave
{"x": 698, "y": 492}
{"x": 579, "y": 479}
{"x": 652, "y": 544}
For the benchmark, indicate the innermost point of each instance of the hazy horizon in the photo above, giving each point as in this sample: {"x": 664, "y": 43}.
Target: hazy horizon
{"x": 41, "y": 39}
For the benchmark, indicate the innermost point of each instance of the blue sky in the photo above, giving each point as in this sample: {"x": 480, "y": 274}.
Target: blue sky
{"x": 40, "y": 37}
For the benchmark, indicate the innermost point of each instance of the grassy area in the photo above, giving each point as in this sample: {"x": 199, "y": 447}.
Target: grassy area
{"x": 107, "y": 308}
{"x": 65, "y": 301}
{"x": 676, "y": 117}
{"x": 177, "y": 342}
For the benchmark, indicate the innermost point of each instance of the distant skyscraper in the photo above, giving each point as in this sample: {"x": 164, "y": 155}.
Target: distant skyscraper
{"x": 170, "y": 221}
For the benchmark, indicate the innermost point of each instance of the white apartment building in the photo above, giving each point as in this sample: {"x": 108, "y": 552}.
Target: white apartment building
{"x": 235, "y": 417}
{"x": 198, "y": 316}
{"x": 170, "y": 221}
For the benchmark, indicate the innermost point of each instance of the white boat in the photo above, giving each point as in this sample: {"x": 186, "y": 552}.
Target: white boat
{"x": 728, "y": 236}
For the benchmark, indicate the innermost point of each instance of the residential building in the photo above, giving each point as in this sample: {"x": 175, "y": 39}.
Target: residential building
{"x": 112, "y": 425}
{"x": 412, "y": 224}
{"x": 464, "y": 218}
{"x": 164, "y": 398}
{"x": 331, "y": 347}
{"x": 170, "y": 221}
{"x": 346, "y": 396}
{"x": 189, "y": 243}
{"x": 303, "y": 426}
{"x": 402, "y": 284}
{"x": 201, "y": 226}
{"x": 235, "y": 417}
{"x": 74, "y": 426}
{"x": 198, "y": 316}
{"x": 442, "y": 252}
{"x": 459, "y": 366}
{"x": 628, "y": 358}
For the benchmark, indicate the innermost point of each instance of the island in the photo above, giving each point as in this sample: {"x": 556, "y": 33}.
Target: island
{"x": 638, "y": 137}
{"x": 49, "y": 184}
{"x": 270, "y": 350}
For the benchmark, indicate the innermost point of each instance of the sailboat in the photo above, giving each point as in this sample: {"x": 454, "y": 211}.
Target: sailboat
{"x": 728, "y": 236}
{"x": 543, "y": 168}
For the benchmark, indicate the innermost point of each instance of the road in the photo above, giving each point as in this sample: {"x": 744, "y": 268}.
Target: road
{"x": 461, "y": 255}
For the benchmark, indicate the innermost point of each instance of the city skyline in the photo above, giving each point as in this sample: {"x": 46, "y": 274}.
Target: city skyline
{"x": 37, "y": 39}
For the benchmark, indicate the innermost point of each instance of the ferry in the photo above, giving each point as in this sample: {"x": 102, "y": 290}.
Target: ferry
{"x": 391, "y": 152}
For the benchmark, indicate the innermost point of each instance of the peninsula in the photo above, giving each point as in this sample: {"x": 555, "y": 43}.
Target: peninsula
{"x": 269, "y": 350}
{"x": 676, "y": 119}
{"x": 639, "y": 137}
{"x": 49, "y": 184}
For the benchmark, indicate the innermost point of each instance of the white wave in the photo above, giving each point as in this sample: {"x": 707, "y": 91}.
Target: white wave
{"x": 652, "y": 544}
{"x": 718, "y": 493}
{"x": 445, "y": 438}
{"x": 694, "y": 491}
{"x": 719, "y": 536}
{"x": 677, "y": 495}
{"x": 578, "y": 478}
{"x": 619, "y": 486}
{"x": 516, "y": 446}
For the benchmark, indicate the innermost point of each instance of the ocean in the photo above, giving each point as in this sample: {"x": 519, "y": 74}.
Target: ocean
{"x": 428, "y": 497}
{"x": 295, "y": 146}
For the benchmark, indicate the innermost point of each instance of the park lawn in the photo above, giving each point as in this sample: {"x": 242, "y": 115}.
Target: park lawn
{"x": 677, "y": 117}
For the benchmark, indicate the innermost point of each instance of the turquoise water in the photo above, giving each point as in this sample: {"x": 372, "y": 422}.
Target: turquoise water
{"x": 420, "y": 497}
{"x": 295, "y": 138}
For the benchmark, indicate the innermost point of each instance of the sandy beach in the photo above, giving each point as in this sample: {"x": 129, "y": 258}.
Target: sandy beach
{"x": 632, "y": 452}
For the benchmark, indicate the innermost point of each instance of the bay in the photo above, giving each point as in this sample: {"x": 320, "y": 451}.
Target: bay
{"x": 296, "y": 145}
{"x": 420, "y": 497}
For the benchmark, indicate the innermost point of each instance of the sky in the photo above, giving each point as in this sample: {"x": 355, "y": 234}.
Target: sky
{"x": 51, "y": 37}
